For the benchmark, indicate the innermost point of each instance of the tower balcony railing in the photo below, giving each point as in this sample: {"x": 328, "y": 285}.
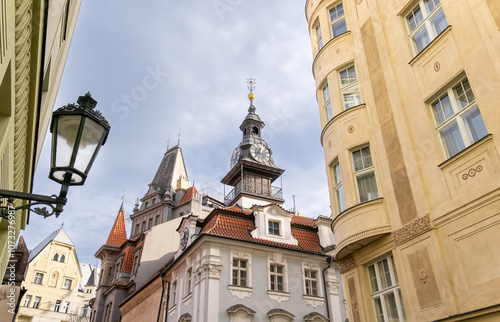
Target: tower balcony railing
{"x": 253, "y": 188}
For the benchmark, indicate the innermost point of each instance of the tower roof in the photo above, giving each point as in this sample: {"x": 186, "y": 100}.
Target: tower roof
{"x": 170, "y": 169}
{"x": 189, "y": 195}
{"x": 58, "y": 235}
{"x": 91, "y": 280}
{"x": 118, "y": 234}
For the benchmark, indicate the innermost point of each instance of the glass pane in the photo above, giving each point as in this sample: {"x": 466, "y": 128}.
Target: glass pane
{"x": 348, "y": 76}
{"x": 394, "y": 272}
{"x": 367, "y": 187}
{"x": 367, "y": 157}
{"x": 351, "y": 98}
{"x": 358, "y": 162}
{"x": 340, "y": 198}
{"x": 92, "y": 134}
{"x": 391, "y": 307}
{"x": 339, "y": 28}
{"x": 421, "y": 39}
{"x": 475, "y": 125}
{"x": 439, "y": 22}
{"x": 328, "y": 110}
{"x": 378, "y": 310}
{"x": 402, "y": 305}
{"x": 373, "y": 278}
{"x": 453, "y": 139}
{"x": 385, "y": 275}
{"x": 415, "y": 18}
{"x": 243, "y": 278}
{"x": 442, "y": 109}
{"x": 463, "y": 94}
{"x": 326, "y": 94}
{"x": 336, "y": 12}
{"x": 336, "y": 174}
{"x": 431, "y": 5}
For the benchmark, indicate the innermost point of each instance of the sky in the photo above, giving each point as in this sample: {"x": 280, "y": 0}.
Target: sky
{"x": 169, "y": 67}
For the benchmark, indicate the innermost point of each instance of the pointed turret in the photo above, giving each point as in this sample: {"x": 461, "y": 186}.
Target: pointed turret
{"x": 118, "y": 234}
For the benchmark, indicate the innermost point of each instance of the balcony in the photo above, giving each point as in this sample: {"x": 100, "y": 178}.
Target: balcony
{"x": 254, "y": 188}
{"x": 358, "y": 226}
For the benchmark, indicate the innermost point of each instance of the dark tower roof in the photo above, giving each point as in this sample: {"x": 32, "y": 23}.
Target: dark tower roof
{"x": 165, "y": 177}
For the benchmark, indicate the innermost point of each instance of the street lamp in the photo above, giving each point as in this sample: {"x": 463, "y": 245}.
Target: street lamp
{"x": 78, "y": 132}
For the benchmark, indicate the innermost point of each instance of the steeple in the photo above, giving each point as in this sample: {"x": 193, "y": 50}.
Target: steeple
{"x": 118, "y": 234}
{"x": 252, "y": 164}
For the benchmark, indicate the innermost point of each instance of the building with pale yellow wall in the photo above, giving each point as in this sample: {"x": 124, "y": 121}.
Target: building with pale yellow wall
{"x": 57, "y": 287}
{"x": 35, "y": 36}
{"x": 407, "y": 94}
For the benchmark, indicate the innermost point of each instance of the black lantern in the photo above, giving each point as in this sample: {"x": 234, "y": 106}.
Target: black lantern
{"x": 78, "y": 132}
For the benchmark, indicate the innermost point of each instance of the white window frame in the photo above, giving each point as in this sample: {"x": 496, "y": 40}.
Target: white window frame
{"x": 455, "y": 115}
{"x": 274, "y": 277}
{"x": 27, "y": 301}
{"x": 327, "y": 104}
{"x": 366, "y": 170}
{"x": 173, "y": 294}
{"x": 350, "y": 88}
{"x": 36, "y": 302}
{"x": 67, "y": 284}
{"x": 65, "y": 307}
{"x": 338, "y": 187}
{"x": 38, "y": 279}
{"x": 239, "y": 269}
{"x": 271, "y": 226}
{"x": 377, "y": 278}
{"x": 318, "y": 39}
{"x": 189, "y": 280}
{"x": 339, "y": 19}
{"x": 308, "y": 280}
{"x": 426, "y": 25}
{"x": 57, "y": 306}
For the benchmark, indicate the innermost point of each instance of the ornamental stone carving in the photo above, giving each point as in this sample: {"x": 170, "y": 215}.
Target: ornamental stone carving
{"x": 412, "y": 229}
{"x": 333, "y": 287}
{"x": 213, "y": 270}
{"x": 346, "y": 264}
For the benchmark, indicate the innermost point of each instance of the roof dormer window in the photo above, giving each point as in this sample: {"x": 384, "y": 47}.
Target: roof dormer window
{"x": 274, "y": 227}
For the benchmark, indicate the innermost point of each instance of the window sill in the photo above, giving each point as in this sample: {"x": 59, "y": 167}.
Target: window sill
{"x": 187, "y": 299}
{"x": 240, "y": 291}
{"x": 337, "y": 116}
{"x": 171, "y": 310}
{"x": 431, "y": 44}
{"x": 468, "y": 150}
{"x": 278, "y": 296}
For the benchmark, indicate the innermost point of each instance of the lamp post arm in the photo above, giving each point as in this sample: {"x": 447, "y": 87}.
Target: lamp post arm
{"x": 55, "y": 203}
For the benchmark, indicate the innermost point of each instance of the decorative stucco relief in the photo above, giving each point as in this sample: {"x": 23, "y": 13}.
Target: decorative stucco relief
{"x": 412, "y": 229}
{"x": 346, "y": 264}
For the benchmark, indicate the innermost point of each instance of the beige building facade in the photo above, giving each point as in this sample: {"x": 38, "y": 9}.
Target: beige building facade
{"x": 58, "y": 286}
{"x": 407, "y": 94}
{"x": 35, "y": 37}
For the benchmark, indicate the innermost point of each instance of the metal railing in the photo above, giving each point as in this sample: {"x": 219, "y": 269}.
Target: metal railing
{"x": 251, "y": 187}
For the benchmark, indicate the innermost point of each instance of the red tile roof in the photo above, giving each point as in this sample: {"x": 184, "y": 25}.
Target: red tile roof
{"x": 128, "y": 262}
{"x": 303, "y": 221}
{"x": 188, "y": 196}
{"x": 118, "y": 234}
{"x": 240, "y": 228}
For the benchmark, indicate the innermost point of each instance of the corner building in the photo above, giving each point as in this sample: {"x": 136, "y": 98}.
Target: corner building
{"x": 407, "y": 94}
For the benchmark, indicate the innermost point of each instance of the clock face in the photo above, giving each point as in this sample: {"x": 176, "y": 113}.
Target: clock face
{"x": 184, "y": 238}
{"x": 260, "y": 153}
{"x": 235, "y": 157}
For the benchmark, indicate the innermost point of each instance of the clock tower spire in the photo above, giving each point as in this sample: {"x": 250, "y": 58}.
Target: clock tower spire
{"x": 252, "y": 165}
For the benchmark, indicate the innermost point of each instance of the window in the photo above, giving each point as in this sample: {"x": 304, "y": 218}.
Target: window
{"x": 386, "y": 293}
{"x": 240, "y": 270}
{"x": 311, "y": 281}
{"x": 339, "y": 190}
{"x": 364, "y": 174}
{"x": 173, "y": 293}
{"x": 117, "y": 270}
{"x": 107, "y": 314}
{"x": 135, "y": 264}
{"x": 62, "y": 259}
{"x": 27, "y": 300}
{"x": 65, "y": 307}
{"x": 318, "y": 38}
{"x": 67, "y": 284}
{"x": 276, "y": 275}
{"x": 36, "y": 302}
{"x": 56, "y": 257}
{"x": 109, "y": 279}
{"x": 337, "y": 20}
{"x": 58, "y": 305}
{"x": 137, "y": 228}
{"x": 458, "y": 119}
{"x": 85, "y": 310}
{"x": 425, "y": 22}
{"x": 144, "y": 225}
{"x": 153, "y": 201}
{"x": 157, "y": 220}
{"x": 150, "y": 223}
{"x": 326, "y": 102}
{"x": 189, "y": 279}
{"x": 274, "y": 227}
{"x": 38, "y": 278}
{"x": 349, "y": 88}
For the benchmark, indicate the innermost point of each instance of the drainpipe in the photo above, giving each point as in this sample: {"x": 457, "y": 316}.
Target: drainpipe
{"x": 329, "y": 261}
{"x": 162, "y": 275}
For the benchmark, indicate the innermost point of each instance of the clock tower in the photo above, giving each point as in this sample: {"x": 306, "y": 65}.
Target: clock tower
{"x": 252, "y": 165}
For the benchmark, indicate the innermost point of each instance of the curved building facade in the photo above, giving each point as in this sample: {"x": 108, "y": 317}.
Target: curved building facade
{"x": 407, "y": 94}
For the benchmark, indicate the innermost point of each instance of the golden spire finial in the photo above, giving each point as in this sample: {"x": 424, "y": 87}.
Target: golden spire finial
{"x": 251, "y": 86}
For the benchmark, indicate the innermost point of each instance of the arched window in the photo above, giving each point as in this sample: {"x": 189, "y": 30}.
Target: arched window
{"x": 56, "y": 257}
{"x": 62, "y": 259}
{"x": 255, "y": 130}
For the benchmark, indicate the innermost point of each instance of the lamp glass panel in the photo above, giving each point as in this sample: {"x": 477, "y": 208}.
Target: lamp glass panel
{"x": 89, "y": 144}
{"x": 67, "y": 130}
